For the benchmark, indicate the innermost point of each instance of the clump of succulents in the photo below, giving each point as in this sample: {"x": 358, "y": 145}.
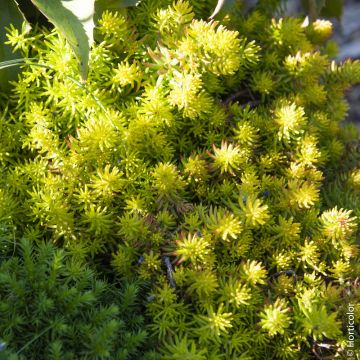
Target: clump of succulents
{"x": 204, "y": 157}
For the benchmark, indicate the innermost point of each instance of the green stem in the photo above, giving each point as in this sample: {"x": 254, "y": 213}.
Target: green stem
{"x": 34, "y": 339}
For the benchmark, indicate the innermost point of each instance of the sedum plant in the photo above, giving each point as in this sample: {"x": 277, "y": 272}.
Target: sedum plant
{"x": 54, "y": 306}
{"x": 205, "y": 157}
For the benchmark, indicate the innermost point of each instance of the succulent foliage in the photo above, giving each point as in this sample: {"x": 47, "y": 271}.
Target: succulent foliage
{"x": 203, "y": 157}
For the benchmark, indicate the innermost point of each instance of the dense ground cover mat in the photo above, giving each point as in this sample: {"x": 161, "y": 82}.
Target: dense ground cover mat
{"x": 203, "y": 158}
{"x": 55, "y": 307}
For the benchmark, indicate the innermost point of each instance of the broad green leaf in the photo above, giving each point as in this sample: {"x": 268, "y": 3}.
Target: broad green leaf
{"x": 74, "y": 20}
{"x": 102, "y": 5}
{"x": 222, "y": 5}
{"x": 319, "y": 4}
{"x": 10, "y": 14}
{"x": 127, "y": 3}
{"x": 333, "y": 8}
{"x": 324, "y": 8}
{"x": 313, "y": 8}
{"x": 116, "y": 4}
